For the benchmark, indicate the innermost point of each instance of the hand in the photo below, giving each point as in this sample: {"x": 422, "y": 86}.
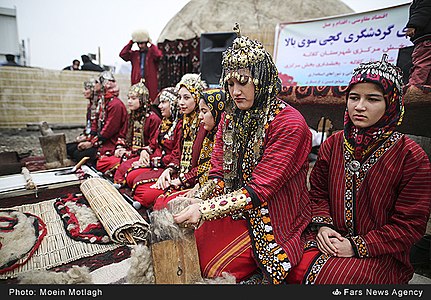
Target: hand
{"x": 163, "y": 181}
{"x": 344, "y": 248}
{"x": 323, "y": 240}
{"x": 119, "y": 152}
{"x": 410, "y": 32}
{"x": 84, "y": 145}
{"x": 190, "y": 215}
{"x": 81, "y": 138}
{"x": 176, "y": 182}
{"x": 144, "y": 158}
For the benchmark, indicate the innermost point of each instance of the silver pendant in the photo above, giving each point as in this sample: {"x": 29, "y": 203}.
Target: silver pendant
{"x": 354, "y": 166}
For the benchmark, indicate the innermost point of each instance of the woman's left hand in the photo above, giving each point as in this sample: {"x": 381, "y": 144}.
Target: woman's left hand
{"x": 190, "y": 215}
{"x": 344, "y": 248}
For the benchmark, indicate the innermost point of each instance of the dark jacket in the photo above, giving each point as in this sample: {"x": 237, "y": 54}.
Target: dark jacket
{"x": 420, "y": 19}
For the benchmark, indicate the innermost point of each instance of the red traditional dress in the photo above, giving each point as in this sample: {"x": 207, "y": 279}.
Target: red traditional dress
{"x": 110, "y": 123}
{"x": 142, "y": 191}
{"x": 282, "y": 210}
{"x": 185, "y": 156}
{"x": 140, "y": 136}
{"x": 372, "y": 185}
{"x": 201, "y": 152}
{"x": 167, "y": 139}
{"x": 140, "y": 179}
{"x": 384, "y": 227}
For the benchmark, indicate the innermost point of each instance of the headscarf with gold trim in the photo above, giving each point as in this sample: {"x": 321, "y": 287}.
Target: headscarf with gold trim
{"x": 244, "y": 130}
{"x": 168, "y": 125}
{"x": 215, "y": 99}
{"x": 195, "y": 85}
{"x": 361, "y": 142}
{"x": 135, "y": 133}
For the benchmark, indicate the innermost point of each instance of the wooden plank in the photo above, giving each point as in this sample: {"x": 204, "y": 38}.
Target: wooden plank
{"x": 176, "y": 261}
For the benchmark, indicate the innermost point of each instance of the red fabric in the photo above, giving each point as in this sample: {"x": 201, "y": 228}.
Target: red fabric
{"x": 190, "y": 177}
{"x": 420, "y": 72}
{"x": 146, "y": 195}
{"x": 297, "y": 273}
{"x": 152, "y": 59}
{"x": 279, "y": 178}
{"x": 150, "y": 132}
{"x": 224, "y": 246}
{"x": 105, "y": 163}
{"x": 116, "y": 120}
{"x": 389, "y": 217}
{"x": 164, "y": 150}
{"x": 119, "y": 176}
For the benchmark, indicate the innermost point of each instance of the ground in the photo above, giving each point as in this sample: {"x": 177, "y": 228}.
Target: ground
{"x": 26, "y": 141}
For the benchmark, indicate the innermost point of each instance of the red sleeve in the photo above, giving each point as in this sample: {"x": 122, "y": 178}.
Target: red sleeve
{"x": 217, "y": 154}
{"x": 190, "y": 176}
{"x": 156, "y": 53}
{"x": 319, "y": 185}
{"x": 152, "y": 124}
{"x": 288, "y": 140}
{"x": 171, "y": 155}
{"x": 116, "y": 112}
{"x": 411, "y": 210}
{"x": 176, "y": 151}
{"x": 126, "y": 52}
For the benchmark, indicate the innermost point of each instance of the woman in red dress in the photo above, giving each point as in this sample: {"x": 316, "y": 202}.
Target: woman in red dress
{"x": 211, "y": 108}
{"x": 139, "y": 142}
{"x": 185, "y": 155}
{"x": 255, "y": 205}
{"x": 370, "y": 189}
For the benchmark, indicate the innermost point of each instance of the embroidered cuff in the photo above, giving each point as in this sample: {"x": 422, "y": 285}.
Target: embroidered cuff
{"x": 225, "y": 205}
{"x": 319, "y": 221}
{"x": 206, "y": 189}
{"x": 359, "y": 246}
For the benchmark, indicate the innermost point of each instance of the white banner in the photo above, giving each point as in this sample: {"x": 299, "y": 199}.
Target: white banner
{"x": 324, "y": 52}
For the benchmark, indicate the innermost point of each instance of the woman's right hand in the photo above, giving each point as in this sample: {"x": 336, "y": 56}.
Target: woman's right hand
{"x": 163, "y": 181}
{"x": 323, "y": 240}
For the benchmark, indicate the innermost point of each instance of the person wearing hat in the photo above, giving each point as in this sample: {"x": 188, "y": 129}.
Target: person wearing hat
{"x": 145, "y": 61}
{"x": 370, "y": 189}
{"x": 181, "y": 171}
{"x": 110, "y": 121}
{"x": 140, "y": 141}
{"x": 72, "y": 147}
{"x": 252, "y": 212}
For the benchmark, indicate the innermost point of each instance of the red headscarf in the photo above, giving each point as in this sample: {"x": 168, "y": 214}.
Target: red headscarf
{"x": 361, "y": 141}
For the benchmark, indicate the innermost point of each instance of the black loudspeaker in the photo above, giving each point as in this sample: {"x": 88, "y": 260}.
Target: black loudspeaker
{"x": 212, "y": 46}
{"x": 404, "y": 61}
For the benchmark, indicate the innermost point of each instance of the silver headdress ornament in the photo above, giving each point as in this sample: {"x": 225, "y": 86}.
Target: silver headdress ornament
{"x": 140, "y": 89}
{"x": 105, "y": 76}
{"x": 193, "y": 83}
{"x": 244, "y": 54}
{"x": 90, "y": 84}
{"x": 382, "y": 68}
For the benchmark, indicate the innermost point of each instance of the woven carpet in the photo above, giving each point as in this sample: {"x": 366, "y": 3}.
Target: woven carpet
{"x": 56, "y": 248}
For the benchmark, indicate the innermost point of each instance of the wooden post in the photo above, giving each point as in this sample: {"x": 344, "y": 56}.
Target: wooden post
{"x": 176, "y": 261}
{"x": 54, "y": 150}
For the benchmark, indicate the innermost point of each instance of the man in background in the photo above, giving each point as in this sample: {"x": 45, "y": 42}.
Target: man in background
{"x": 10, "y": 61}
{"x": 145, "y": 61}
{"x": 74, "y": 67}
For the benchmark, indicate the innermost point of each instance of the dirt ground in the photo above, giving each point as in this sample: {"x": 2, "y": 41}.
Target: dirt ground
{"x": 26, "y": 141}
